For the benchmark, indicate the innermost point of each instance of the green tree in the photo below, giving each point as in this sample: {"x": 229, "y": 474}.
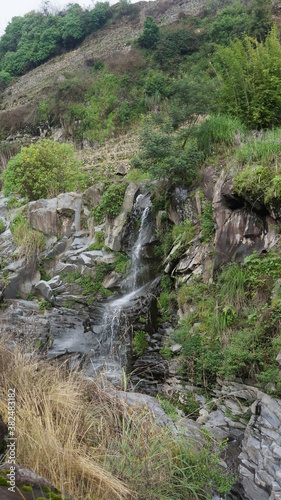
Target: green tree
{"x": 97, "y": 17}
{"x": 125, "y": 7}
{"x": 250, "y": 74}
{"x": 9, "y": 41}
{"x": 260, "y": 20}
{"x": 162, "y": 155}
{"x": 232, "y": 21}
{"x": 72, "y": 25}
{"x": 5, "y": 79}
{"x": 150, "y": 35}
{"x": 42, "y": 170}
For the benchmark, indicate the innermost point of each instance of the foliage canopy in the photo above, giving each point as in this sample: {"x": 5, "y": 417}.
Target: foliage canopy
{"x": 250, "y": 74}
{"x": 42, "y": 170}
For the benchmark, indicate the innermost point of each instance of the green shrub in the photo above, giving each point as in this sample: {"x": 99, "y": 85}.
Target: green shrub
{"x": 168, "y": 407}
{"x": 264, "y": 149}
{"x": 45, "y": 304}
{"x": 121, "y": 263}
{"x": 42, "y": 170}
{"x": 99, "y": 241}
{"x": 207, "y": 222}
{"x": 111, "y": 202}
{"x": 230, "y": 22}
{"x": 26, "y": 487}
{"x": 232, "y": 284}
{"x": 262, "y": 271}
{"x": 184, "y": 232}
{"x": 139, "y": 342}
{"x": 251, "y": 79}
{"x": 91, "y": 285}
{"x": 2, "y": 226}
{"x": 150, "y": 35}
{"x": 163, "y": 156}
{"x": 175, "y": 42}
{"x": 243, "y": 355}
{"x": 5, "y": 79}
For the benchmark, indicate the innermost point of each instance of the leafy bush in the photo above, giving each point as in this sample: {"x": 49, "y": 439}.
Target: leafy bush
{"x": 150, "y": 35}
{"x": 2, "y": 226}
{"x": 243, "y": 355}
{"x": 184, "y": 232}
{"x": 232, "y": 285}
{"x": 230, "y": 22}
{"x": 173, "y": 43}
{"x": 121, "y": 263}
{"x": 251, "y": 79}
{"x": 30, "y": 40}
{"x": 139, "y": 342}
{"x": 264, "y": 149}
{"x": 111, "y": 202}
{"x": 207, "y": 222}
{"x": 262, "y": 271}
{"x": 5, "y": 79}
{"x": 42, "y": 170}
{"x": 99, "y": 241}
{"x": 259, "y": 179}
{"x": 163, "y": 156}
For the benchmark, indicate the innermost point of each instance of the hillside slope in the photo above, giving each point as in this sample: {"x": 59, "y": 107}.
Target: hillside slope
{"x": 112, "y": 41}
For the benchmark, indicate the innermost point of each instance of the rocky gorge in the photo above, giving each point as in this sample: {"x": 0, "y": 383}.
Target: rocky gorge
{"x": 147, "y": 276}
{"x": 60, "y": 318}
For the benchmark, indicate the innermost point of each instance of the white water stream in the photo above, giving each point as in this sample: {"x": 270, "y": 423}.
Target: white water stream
{"x": 133, "y": 284}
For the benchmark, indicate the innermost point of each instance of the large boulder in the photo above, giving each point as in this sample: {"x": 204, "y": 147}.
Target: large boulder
{"x": 113, "y": 231}
{"x": 43, "y": 216}
{"x": 69, "y": 211}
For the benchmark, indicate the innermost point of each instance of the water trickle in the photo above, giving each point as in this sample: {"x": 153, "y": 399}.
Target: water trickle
{"x": 115, "y": 322}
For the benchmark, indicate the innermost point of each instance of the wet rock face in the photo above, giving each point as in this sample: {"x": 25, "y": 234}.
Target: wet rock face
{"x": 115, "y": 229}
{"x": 251, "y": 421}
{"x": 182, "y": 207}
{"x": 241, "y": 235}
{"x": 239, "y": 231}
{"x": 43, "y": 216}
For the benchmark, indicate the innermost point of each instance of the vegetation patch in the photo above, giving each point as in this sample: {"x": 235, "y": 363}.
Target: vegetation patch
{"x": 42, "y": 170}
{"x": 139, "y": 342}
{"x": 111, "y": 202}
{"x": 27, "y": 239}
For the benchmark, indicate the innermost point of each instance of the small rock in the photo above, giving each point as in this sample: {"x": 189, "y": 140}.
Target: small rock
{"x": 175, "y": 348}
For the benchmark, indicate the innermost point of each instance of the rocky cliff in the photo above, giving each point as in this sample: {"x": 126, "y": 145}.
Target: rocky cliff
{"x": 52, "y": 306}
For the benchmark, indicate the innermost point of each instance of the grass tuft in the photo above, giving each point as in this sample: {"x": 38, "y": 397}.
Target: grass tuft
{"x": 90, "y": 445}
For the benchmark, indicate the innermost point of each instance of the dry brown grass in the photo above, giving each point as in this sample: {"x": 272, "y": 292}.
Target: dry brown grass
{"x": 59, "y": 431}
{"x": 126, "y": 61}
{"x": 93, "y": 446}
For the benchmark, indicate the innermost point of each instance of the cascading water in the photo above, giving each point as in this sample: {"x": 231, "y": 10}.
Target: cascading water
{"x": 114, "y": 322}
{"x": 136, "y": 279}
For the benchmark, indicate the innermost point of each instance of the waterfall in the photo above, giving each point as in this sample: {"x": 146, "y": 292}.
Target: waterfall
{"x": 134, "y": 283}
{"x": 114, "y": 337}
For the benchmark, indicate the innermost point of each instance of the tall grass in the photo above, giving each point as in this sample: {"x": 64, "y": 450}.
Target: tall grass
{"x": 92, "y": 446}
{"x": 58, "y": 434}
{"x": 27, "y": 240}
{"x": 218, "y": 130}
{"x": 266, "y": 148}
{"x": 232, "y": 286}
